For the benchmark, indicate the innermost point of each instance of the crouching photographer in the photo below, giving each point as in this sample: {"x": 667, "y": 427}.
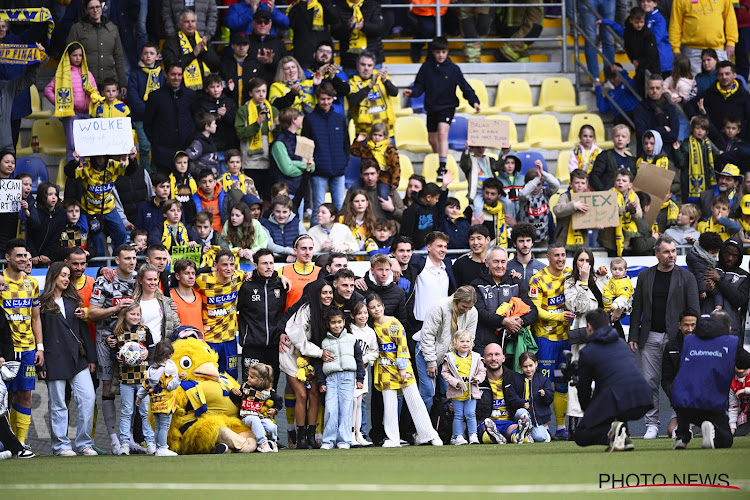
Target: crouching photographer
{"x": 621, "y": 393}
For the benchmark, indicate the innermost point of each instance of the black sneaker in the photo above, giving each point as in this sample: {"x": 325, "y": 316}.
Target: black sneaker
{"x": 221, "y": 449}
{"x": 25, "y": 453}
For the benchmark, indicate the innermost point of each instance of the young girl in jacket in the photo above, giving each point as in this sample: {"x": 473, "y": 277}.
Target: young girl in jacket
{"x": 130, "y": 328}
{"x": 368, "y": 344}
{"x": 377, "y": 146}
{"x": 243, "y": 233}
{"x": 160, "y": 382}
{"x": 534, "y": 391}
{"x": 72, "y": 91}
{"x": 393, "y": 372}
{"x": 682, "y": 87}
{"x": 585, "y": 152}
{"x": 358, "y": 216}
{"x": 463, "y": 370}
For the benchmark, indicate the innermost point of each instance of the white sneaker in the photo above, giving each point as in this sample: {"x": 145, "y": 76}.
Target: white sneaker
{"x": 165, "y": 452}
{"x": 360, "y": 439}
{"x": 274, "y": 448}
{"x": 437, "y": 441}
{"x": 89, "y": 452}
{"x": 265, "y": 447}
{"x": 115, "y": 448}
{"x": 473, "y": 439}
{"x": 343, "y": 446}
{"x": 652, "y": 432}
{"x": 391, "y": 444}
{"x": 67, "y": 453}
{"x": 326, "y": 446}
{"x": 137, "y": 449}
{"x": 5, "y": 455}
{"x": 709, "y": 434}
{"x": 150, "y": 449}
{"x": 458, "y": 441}
{"x": 124, "y": 449}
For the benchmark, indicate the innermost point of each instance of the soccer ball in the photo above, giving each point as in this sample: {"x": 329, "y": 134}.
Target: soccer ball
{"x": 131, "y": 353}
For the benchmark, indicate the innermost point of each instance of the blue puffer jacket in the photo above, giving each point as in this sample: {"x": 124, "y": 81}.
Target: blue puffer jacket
{"x": 437, "y": 81}
{"x": 706, "y": 368}
{"x": 330, "y": 133}
{"x": 137, "y": 80}
{"x": 282, "y": 234}
{"x": 658, "y": 27}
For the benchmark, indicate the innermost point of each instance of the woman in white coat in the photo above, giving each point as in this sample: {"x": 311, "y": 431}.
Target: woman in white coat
{"x": 453, "y": 313}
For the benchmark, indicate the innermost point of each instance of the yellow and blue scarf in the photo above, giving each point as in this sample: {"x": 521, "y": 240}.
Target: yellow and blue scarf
{"x": 193, "y": 75}
{"x": 64, "y": 105}
{"x": 181, "y": 235}
{"x": 357, "y": 38}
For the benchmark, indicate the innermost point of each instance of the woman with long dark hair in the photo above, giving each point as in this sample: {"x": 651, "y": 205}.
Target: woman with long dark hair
{"x": 306, "y": 330}
{"x": 69, "y": 357}
{"x": 156, "y": 309}
{"x": 583, "y": 293}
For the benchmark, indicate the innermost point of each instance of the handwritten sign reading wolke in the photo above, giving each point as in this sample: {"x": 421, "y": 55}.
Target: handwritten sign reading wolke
{"x": 489, "y": 133}
{"x": 10, "y": 195}
{"x": 602, "y": 210}
{"x": 103, "y": 136}
{"x": 305, "y": 148}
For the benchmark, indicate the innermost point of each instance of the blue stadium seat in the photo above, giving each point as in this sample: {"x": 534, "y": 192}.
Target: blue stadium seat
{"x": 416, "y": 104}
{"x": 458, "y": 132}
{"x": 527, "y": 161}
{"x": 35, "y": 167}
{"x": 351, "y": 174}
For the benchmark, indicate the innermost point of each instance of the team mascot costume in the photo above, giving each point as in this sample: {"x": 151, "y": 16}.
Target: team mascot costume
{"x": 204, "y": 416}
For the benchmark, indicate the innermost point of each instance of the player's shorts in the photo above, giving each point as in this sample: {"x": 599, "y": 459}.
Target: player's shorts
{"x": 104, "y": 368}
{"x": 550, "y": 355}
{"x": 442, "y": 116}
{"x": 26, "y": 378}
{"x": 502, "y": 427}
{"x": 228, "y": 359}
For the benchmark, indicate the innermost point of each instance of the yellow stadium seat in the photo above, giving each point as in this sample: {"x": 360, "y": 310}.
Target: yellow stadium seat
{"x": 407, "y": 170}
{"x": 553, "y": 201}
{"x": 484, "y": 101}
{"x": 557, "y": 94}
{"x": 561, "y": 170}
{"x": 543, "y": 131}
{"x": 36, "y": 106}
{"x": 514, "y": 96}
{"x": 397, "y": 109}
{"x": 462, "y": 197}
{"x": 352, "y": 131}
{"x": 60, "y": 181}
{"x": 23, "y": 151}
{"x": 51, "y": 136}
{"x": 411, "y": 135}
{"x": 581, "y": 119}
{"x": 430, "y": 166}
{"x": 514, "y": 144}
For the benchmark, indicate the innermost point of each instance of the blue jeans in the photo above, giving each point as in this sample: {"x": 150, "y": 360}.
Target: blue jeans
{"x": 253, "y": 421}
{"x": 144, "y": 147}
{"x": 427, "y": 385}
{"x": 127, "y": 402}
{"x": 141, "y": 36}
{"x": 743, "y": 53}
{"x": 338, "y": 409}
{"x": 113, "y": 223}
{"x": 539, "y": 433}
{"x": 606, "y": 9}
{"x": 319, "y": 185}
{"x": 464, "y": 415}
{"x": 162, "y": 421}
{"x": 85, "y": 397}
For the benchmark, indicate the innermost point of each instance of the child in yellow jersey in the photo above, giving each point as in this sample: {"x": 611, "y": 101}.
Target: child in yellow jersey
{"x": 719, "y": 222}
{"x": 618, "y": 238}
{"x": 111, "y": 107}
{"x": 463, "y": 370}
{"x": 618, "y": 292}
{"x": 180, "y": 175}
{"x": 392, "y": 372}
{"x": 234, "y": 178}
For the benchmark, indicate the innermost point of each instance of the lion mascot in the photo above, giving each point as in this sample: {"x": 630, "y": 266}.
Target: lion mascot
{"x": 205, "y": 420}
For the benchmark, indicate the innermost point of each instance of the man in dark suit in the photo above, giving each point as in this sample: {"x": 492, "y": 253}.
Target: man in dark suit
{"x": 661, "y": 294}
{"x": 621, "y": 392}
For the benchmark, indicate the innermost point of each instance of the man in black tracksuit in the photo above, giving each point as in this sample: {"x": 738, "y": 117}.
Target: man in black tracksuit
{"x": 261, "y": 305}
{"x": 671, "y": 359}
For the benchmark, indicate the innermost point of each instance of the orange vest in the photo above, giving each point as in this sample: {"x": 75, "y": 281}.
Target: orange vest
{"x": 428, "y": 11}
{"x": 298, "y": 282}
{"x": 189, "y": 312}
{"x": 85, "y": 293}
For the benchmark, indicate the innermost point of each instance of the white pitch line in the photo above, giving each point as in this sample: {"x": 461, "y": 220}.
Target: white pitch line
{"x": 375, "y": 488}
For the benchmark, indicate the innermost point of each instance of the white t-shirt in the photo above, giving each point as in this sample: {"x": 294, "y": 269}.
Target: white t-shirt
{"x": 432, "y": 284}
{"x": 61, "y": 304}
{"x": 152, "y": 316}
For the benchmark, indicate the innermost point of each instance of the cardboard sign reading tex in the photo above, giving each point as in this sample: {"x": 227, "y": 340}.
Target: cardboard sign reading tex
{"x": 655, "y": 181}
{"x": 489, "y": 133}
{"x": 602, "y": 210}
{"x": 305, "y": 148}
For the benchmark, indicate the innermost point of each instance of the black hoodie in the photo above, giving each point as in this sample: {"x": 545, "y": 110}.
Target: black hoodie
{"x": 261, "y": 304}
{"x": 734, "y": 286}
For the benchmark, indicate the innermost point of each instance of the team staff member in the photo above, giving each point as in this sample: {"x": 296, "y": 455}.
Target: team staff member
{"x": 547, "y": 291}
{"x": 20, "y": 296}
{"x": 302, "y": 271}
{"x": 261, "y": 304}
{"x": 219, "y": 291}
{"x": 108, "y": 298}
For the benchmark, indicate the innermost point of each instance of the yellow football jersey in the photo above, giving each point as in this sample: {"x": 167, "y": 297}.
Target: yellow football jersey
{"x": 219, "y": 306}
{"x": 98, "y": 185}
{"x": 19, "y": 298}
{"x": 547, "y": 291}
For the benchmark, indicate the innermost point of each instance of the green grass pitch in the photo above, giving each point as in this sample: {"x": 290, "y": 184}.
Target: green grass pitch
{"x": 560, "y": 469}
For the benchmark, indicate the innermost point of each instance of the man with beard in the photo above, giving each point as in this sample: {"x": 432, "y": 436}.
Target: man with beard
{"x": 727, "y": 182}
{"x": 323, "y": 64}
{"x": 523, "y": 262}
{"x": 733, "y": 284}
{"x": 655, "y": 112}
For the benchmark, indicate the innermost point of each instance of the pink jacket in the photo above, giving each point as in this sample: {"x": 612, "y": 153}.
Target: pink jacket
{"x": 455, "y": 384}
{"x": 80, "y": 98}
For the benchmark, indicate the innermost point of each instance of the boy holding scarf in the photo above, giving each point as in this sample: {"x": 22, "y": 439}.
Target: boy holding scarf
{"x": 695, "y": 160}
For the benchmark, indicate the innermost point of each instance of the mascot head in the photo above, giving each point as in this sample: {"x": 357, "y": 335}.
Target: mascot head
{"x": 194, "y": 357}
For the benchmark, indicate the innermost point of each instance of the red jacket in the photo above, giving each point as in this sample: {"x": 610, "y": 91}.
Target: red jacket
{"x": 742, "y": 11}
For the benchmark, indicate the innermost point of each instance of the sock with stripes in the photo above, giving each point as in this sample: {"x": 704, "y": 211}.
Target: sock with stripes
{"x": 21, "y": 421}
